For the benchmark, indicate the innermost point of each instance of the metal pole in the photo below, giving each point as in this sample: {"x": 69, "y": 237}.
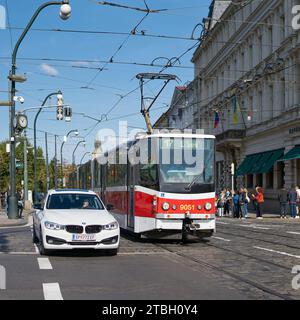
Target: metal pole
{"x": 55, "y": 163}
{"x": 25, "y": 169}
{"x": 35, "y": 144}
{"x": 73, "y": 155}
{"x": 47, "y": 162}
{"x": 61, "y": 165}
{"x": 12, "y": 203}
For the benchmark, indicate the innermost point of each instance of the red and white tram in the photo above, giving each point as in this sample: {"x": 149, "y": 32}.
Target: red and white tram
{"x": 164, "y": 192}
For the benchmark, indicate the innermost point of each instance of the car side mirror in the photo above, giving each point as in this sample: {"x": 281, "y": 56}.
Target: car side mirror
{"x": 38, "y": 206}
{"x": 110, "y": 207}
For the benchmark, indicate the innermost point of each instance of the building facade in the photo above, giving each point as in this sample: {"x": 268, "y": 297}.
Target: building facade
{"x": 247, "y": 76}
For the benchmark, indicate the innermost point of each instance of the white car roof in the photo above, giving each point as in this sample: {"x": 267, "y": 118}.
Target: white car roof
{"x": 71, "y": 191}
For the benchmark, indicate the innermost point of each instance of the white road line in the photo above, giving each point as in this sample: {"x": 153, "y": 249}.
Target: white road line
{"x": 292, "y": 232}
{"x": 279, "y": 252}
{"x": 222, "y": 239}
{"x": 219, "y": 222}
{"x": 44, "y": 264}
{"x": 142, "y": 253}
{"x": 253, "y": 226}
{"x": 20, "y": 253}
{"x": 52, "y": 291}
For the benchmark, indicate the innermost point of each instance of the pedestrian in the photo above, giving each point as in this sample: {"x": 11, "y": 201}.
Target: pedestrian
{"x": 20, "y": 203}
{"x": 298, "y": 202}
{"x": 260, "y": 199}
{"x": 220, "y": 204}
{"x": 227, "y": 204}
{"x": 283, "y": 201}
{"x": 236, "y": 206}
{"x": 292, "y": 200}
{"x": 242, "y": 200}
{"x": 247, "y": 201}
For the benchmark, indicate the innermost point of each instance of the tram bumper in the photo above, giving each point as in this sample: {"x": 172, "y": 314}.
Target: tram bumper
{"x": 194, "y": 222}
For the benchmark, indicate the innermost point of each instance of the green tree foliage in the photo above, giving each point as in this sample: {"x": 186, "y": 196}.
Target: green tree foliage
{"x": 4, "y": 166}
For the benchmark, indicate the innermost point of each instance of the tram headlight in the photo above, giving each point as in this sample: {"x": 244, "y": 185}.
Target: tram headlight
{"x": 174, "y": 207}
{"x": 199, "y": 207}
{"x": 208, "y": 206}
{"x": 165, "y": 206}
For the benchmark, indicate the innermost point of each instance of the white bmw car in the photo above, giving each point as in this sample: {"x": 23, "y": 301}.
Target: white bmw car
{"x": 75, "y": 219}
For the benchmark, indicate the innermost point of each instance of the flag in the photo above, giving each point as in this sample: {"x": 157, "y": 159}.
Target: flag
{"x": 236, "y": 108}
{"x": 217, "y": 120}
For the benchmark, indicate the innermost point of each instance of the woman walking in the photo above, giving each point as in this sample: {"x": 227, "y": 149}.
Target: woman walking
{"x": 260, "y": 199}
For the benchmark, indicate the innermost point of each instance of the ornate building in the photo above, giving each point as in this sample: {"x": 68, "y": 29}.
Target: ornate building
{"x": 247, "y": 80}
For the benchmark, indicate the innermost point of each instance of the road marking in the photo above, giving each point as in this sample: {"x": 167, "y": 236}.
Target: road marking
{"x": 44, "y": 264}
{"x": 219, "y": 222}
{"x": 253, "y": 226}
{"x": 142, "y": 253}
{"x": 20, "y": 253}
{"x": 279, "y": 252}
{"x": 52, "y": 291}
{"x": 218, "y": 238}
{"x": 292, "y": 232}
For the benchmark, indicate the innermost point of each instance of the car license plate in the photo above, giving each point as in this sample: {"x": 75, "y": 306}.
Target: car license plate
{"x": 84, "y": 237}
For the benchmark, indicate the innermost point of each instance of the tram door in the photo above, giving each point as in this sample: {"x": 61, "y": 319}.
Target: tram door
{"x": 130, "y": 192}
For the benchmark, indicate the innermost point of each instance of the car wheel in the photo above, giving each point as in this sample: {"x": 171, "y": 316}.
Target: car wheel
{"x": 35, "y": 239}
{"x": 112, "y": 252}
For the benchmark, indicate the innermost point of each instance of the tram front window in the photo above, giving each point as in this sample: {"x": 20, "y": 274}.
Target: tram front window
{"x": 186, "y": 165}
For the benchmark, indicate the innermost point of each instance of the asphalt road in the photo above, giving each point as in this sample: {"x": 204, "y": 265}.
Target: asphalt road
{"x": 244, "y": 260}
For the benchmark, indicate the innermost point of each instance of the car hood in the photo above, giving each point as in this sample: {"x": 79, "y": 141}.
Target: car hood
{"x": 78, "y": 217}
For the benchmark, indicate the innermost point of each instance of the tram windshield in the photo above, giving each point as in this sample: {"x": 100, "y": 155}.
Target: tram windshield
{"x": 186, "y": 165}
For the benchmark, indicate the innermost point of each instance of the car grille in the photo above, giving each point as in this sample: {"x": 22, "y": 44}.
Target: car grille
{"x": 83, "y": 243}
{"x": 74, "y": 229}
{"x": 93, "y": 229}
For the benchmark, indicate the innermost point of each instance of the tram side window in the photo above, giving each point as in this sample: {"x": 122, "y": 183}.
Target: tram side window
{"x": 148, "y": 176}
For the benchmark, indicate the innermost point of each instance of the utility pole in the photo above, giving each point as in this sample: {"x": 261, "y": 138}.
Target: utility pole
{"x": 47, "y": 162}
{"x": 55, "y": 164}
{"x": 25, "y": 169}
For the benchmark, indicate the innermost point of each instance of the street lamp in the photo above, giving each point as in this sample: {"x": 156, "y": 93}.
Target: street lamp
{"x": 65, "y": 12}
{"x": 73, "y": 155}
{"x": 61, "y": 151}
{"x": 59, "y": 95}
{"x": 77, "y": 168}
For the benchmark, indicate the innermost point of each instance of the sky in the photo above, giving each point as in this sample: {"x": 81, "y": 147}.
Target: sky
{"x": 79, "y": 57}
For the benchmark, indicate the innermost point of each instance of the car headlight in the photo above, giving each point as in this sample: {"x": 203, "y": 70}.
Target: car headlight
{"x": 53, "y": 226}
{"x": 208, "y": 206}
{"x": 165, "y": 206}
{"x": 111, "y": 226}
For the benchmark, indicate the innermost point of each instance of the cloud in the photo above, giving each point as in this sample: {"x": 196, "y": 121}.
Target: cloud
{"x": 48, "y": 70}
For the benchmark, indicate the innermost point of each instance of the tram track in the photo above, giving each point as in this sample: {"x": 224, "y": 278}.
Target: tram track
{"x": 233, "y": 275}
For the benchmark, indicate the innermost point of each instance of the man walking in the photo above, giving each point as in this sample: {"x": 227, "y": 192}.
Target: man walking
{"x": 292, "y": 199}
{"x": 283, "y": 201}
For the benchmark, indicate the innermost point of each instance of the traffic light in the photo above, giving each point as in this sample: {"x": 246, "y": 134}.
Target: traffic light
{"x": 59, "y": 110}
{"x": 68, "y": 113}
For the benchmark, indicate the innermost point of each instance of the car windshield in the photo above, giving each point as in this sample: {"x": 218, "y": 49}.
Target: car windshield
{"x": 74, "y": 201}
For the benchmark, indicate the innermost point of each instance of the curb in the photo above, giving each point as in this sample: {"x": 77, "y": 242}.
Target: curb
{"x": 22, "y": 222}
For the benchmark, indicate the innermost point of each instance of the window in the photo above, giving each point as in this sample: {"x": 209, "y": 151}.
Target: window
{"x": 280, "y": 174}
{"x": 259, "y": 179}
{"x": 250, "y": 181}
{"x": 270, "y": 180}
{"x": 67, "y": 201}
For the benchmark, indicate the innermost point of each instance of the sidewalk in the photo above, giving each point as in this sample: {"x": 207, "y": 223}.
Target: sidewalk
{"x": 5, "y": 222}
{"x": 266, "y": 216}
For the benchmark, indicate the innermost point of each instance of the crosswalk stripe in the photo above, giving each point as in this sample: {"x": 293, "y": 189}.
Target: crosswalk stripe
{"x": 52, "y": 291}
{"x": 44, "y": 264}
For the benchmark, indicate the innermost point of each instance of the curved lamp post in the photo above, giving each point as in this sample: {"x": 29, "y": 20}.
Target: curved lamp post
{"x": 35, "y": 147}
{"x": 73, "y": 155}
{"x": 65, "y": 13}
{"x": 61, "y": 151}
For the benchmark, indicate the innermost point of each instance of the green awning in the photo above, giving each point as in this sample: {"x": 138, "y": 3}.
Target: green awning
{"x": 259, "y": 163}
{"x": 292, "y": 154}
{"x": 268, "y": 164}
{"x": 246, "y": 165}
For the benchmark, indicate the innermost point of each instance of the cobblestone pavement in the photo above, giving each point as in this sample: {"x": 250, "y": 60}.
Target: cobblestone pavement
{"x": 249, "y": 259}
